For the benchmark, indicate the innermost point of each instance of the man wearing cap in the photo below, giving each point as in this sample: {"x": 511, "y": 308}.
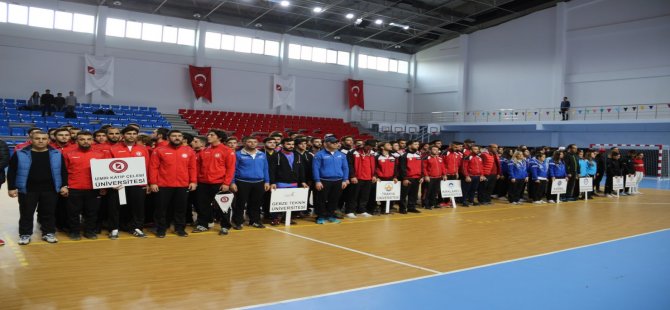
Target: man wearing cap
{"x": 330, "y": 170}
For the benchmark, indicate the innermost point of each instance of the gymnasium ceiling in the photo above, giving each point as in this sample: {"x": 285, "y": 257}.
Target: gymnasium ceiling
{"x": 418, "y": 23}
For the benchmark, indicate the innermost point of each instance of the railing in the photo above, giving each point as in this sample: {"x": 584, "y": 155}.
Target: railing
{"x": 607, "y": 112}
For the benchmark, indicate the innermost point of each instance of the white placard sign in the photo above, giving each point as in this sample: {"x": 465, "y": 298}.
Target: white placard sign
{"x": 224, "y": 201}
{"x": 631, "y": 180}
{"x": 388, "y": 190}
{"x": 617, "y": 183}
{"x": 451, "y": 188}
{"x": 114, "y": 172}
{"x": 559, "y": 186}
{"x": 585, "y": 184}
{"x": 289, "y": 199}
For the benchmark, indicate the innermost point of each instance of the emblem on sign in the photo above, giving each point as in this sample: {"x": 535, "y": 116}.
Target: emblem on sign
{"x": 224, "y": 199}
{"x": 118, "y": 166}
{"x": 388, "y": 187}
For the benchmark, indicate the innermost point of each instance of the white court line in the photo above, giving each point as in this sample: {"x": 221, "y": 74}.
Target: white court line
{"x": 441, "y": 273}
{"x": 357, "y": 251}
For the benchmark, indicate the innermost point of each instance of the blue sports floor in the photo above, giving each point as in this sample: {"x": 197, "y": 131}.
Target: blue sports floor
{"x": 629, "y": 273}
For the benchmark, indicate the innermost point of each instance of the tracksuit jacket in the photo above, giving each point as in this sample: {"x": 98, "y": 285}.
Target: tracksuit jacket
{"x": 409, "y": 166}
{"x": 361, "y": 165}
{"x": 251, "y": 169}
{"x": 78, "y": 164}
{"x": 385, "y": 167}
{"x": 329, "y": 166}
{"x": 433, "y": 167}
{"x": 173, "y": 166}
{"x": 472, "y": 166}
{"x": 557, "y": 170}
{"x": 518, "y": 170}
{"x": 216, "y": 165}
{"x": 538, "y": 170}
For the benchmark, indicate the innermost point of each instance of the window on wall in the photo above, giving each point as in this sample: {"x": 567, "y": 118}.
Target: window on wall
{"x": 186, "y": 36}
{"x": 116, "y": 27}
{"x": 149, "y": 32}
{"x": 382, "y": 64}
{"x": 83, "y": 23}
{"x": 17, "y": 14}
{"x": 241, "y": 44}
{"x": 3, "y": 12}
{"x": 318, "y": 54}
{"x": 42, "y": 18}
{"x": 152, "y": 32}
{"x": 133, "y": 30}
{"x": 45, "y": 18}
{"x": 170, "y": 34}
{"x": 63, "y": 20}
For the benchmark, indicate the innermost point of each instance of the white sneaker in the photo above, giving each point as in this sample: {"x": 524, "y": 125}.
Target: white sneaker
{"x": 50, "y": 238}
{"x": 351, "y": 216}
{"x": 543, "y": 201}
{"x": 522, "y": 200}
{"x": 365, "y": 214}
{"x": 494, "y": 196}
{"x": 537, "y": 202}
{"x": 24, "y": 239}
{"x": 210, "y": 225}
{"x": 551, "y": 201}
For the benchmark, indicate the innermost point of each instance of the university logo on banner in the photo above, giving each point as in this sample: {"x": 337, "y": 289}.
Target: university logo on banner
{"x": 388, "y": 190}
{"x": 283, "y": 92}
{"x": 224, "y": 201}
{"x": 201, "y": 82}
{"x": 617, "y": 183}
{"x": 356, "y": 96}
{"x": 585, "y": 184}
{"x": 289, "y": 199}
{"x": 114, "y": 172}
{"x": 559, "y": 186}
{"x": 451, "y": 188}
{"x": 99, "y": 74}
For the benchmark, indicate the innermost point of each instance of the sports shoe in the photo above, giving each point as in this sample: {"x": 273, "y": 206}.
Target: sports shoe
{"x": 543, "y": 201}
{"x": 334, "y": 220}
{"x": 551, "y": 201}
{"x": 413, "y": 211}
{"x": 223, "y": 231}
{"x": 365, "y": 214}
{"x": 199, "y": 229}
{"x": 181, "y": 233}
{"x": 91, "y": 236}
{"x": 160, "y": 234}
{"x": 403, "y": 211}
{"x": 24, "y": 239}
{"x": 210, "y": 225}
{"x": 351, "y": 216}
{"x": 50, "y": 238}
{"x": 320, "y": 221}
{"x": 74, "y": 236}
{"x": 537, "y": 202}
{"x": 114, "y": 234}
{"x": 275, "y": 222}
{"x": 258, "y": 225}
{"x": 139, "y": 233}
{"x": 237, "y": 227}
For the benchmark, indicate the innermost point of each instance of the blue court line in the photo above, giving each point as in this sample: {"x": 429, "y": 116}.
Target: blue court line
{"x": 630, "y": 273}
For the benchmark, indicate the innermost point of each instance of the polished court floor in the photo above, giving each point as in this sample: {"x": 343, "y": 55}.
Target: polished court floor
{"x": 254, "y": 266}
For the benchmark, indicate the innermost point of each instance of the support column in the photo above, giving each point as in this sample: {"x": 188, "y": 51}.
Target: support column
{"x": 560, "y": 56}
{"x": 199, "y": 56}
{"x": 100, "y": 44}
{"x": 283, "y": 64}
{"x": 411, "y": 87}
{"x": 463, "y": 49}
{"x": 354, "y": 74}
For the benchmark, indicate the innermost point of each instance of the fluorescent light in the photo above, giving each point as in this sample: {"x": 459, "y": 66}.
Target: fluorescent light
{"x": 285, "y": 3}
{"x": 379, "y": 22}
{"x": 399, "y": 25}
{"x": 349, "y": 16}
{"x": 317, "y": 9}
{"x": 405, "y": 27}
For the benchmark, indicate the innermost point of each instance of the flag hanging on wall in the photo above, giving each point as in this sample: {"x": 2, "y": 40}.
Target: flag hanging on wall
{"x": 355, "y": 90}
{"x": 201, "y": 82}
{"x": 99, "y": 74}
{"x": 284, "y": 91}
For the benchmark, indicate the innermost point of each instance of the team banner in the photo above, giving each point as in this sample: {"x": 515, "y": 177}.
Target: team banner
{"x": 224, "y": 201}
{"x": 585, "y": 184}
{"x": 388, "y": 190}
{"x": 99, "y": 74}
{"x": 617, "y": 183}
{"x": 284, "y": 91}
{"x": 114, "y": 172}
{"x": 631, "y": 180}
{"x": 289, "y": 199}
{"x": 559, "y": 186}
{"x": 451, "y": 188}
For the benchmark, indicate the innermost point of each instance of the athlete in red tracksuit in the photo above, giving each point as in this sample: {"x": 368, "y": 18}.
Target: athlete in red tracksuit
{"x": 361, "y": 178}
{"x": 492, "y": 170}
{"x": 132, "y": 219}
{"x": 216, "y": 169}
{"x": 172, "y": 174}
{"x": 471, "y": 175}
{"x": 434, "y": 172}
{"x": 82, "y": 198}
{"x": 410, "y": 172}
{"x": 386, "y": 166}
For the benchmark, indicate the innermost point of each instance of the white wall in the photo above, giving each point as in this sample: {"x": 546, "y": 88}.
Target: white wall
{"x": 597, "y": 52}
{"x": 156, "y": 74}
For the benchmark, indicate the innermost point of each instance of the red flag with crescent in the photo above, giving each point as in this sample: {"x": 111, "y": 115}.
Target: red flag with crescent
{"x": 201, "y": 81}
{"x": 356, "y": 98}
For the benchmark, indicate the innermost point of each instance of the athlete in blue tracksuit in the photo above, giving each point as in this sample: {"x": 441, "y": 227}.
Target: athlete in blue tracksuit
{"x": 556, "y": 171}
{"x": 518, "y": 176}
{"x": 539, "y": 169}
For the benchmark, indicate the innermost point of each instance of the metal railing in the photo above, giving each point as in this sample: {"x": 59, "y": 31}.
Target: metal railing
{"x": 604, "y": 112}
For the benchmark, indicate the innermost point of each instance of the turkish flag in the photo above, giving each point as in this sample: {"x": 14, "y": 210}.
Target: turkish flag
{"x": 201, "y": 81}
{"x": 355, "y": 89}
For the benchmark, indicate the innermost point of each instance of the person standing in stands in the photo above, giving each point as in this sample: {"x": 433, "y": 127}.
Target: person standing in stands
{"x": 37, "y": 175}
{"x": 172, "y": 174}
{"x": 361, "y": 179}
{"x": 518, "y": 176}
{"x": 434, "y": 172}
{"x": 572, "y": 169}
{"x": 4, "y": 162}
{"x": 252, "y": 180}
{"x": 70, "y": 102}
{"x": 538, "y": 175}
{"x": 556, "y": 172}
{"x": 59, "y": 101}
{"x": 492, "y": 171}
{"x": 330, "y": 169}
{"x": 288, "y": 171}
{"x": 47, "y": 101}
{"x": 33, "y": 102}
{"x": 410, "y": 172}
{"x": 216, "y": 169}
{"x": 135, "y": 208}
{"x": 565, "y": 108}
{"x": 472, "y": 175}
{"x": 82, "y": 198}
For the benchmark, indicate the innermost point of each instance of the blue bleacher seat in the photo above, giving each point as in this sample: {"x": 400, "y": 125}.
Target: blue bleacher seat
{"x": 144, "y": 108}
{"x": 21, "y": 101}
{"x": 153, "y": 109}
{"x": 4, "y": 131}
{"x": 14, "y": 118}
{"x": 134, "y": 108}
{"x": 18, "y": 131}
{"x": 10, "y": 101}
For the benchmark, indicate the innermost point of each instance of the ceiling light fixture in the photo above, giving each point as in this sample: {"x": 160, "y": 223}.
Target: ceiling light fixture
{"x": 196, "y": 15}
{"x": 317, "y": 9}
{"x": 379, "y": 22}
{"x": 399, "y": 25}
{"x": 117, "y": 3}
{"x": 349, "y": 16}
{"x": 285, "y": 3}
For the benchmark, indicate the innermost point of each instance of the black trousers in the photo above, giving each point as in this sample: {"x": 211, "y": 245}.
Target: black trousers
{"x": 86, "y": 203}
{"x": 191, "y": 206}
{"x": 469, "y": 188}
{"x": 598, "y": 179}
{"x": 572, "y": 187}
{"x": 249, "y": 195}
{"x": 327, "y": 199}
{"x": 433, "y": 192}
{"x": 45, "y": 204}
{"x": 176, "y": 197}
{"x": 359, "y": 195}
{"x": 205, "y": 194}
{"x": 538, "y": 190}
{"x": 135, "y": 199}
{"x": 409, "y": 194}
{"x": 62, "y": 221}
{"x": 515, "y": 190}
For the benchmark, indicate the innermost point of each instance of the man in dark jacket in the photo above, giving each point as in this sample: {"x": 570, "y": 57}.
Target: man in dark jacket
{"x": 572, "y": 169}
{"x": 47, "y": 101}
{"x": 289, "y": 172}
{"x": 4, "y": 161}
{"x": 601, "y": 163}
{"x": 565, "y": 108}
